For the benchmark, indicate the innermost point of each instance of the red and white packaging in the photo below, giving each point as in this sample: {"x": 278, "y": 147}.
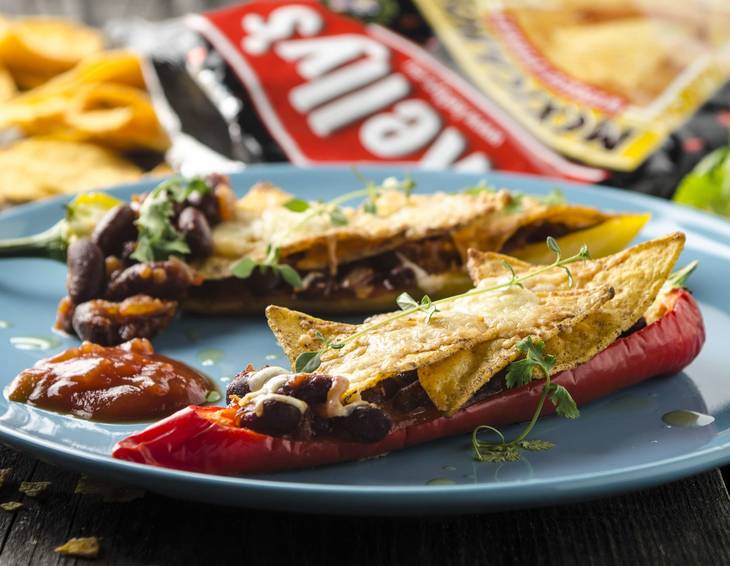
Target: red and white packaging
{"x": 331, "y": 90}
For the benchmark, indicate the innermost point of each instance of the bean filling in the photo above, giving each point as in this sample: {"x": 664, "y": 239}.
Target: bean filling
{"x": 112, "y": 298}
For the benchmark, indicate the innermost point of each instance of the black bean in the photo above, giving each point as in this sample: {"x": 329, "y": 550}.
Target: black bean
{"x": 277, "y": 418}
{"x": 162, "y": 279}
{"x": 318, "y": 286}
{"x": 108, "y": 323}
{"x": 238, "y": 386}
{"x": 92, "y": 324}
{"x": 86, "y": 271}
{"x": 114, "y": 229}
{"x": 411, "y": 397}
{"x": 193, "y": 224}
{"x": 207, "y": 204}
{"x": 263, "y": 280}
{"x": 381, "y": 392}
{"x": 310, "y": 388}
{"x": 400, "y": 277}
{"x": 367, "y": 423}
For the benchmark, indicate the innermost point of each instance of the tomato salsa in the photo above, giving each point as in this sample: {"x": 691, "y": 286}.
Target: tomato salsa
{"x": 123, "y": 383}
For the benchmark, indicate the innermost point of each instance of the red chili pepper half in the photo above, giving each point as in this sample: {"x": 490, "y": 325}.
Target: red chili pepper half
{"x": 202, "y": 439}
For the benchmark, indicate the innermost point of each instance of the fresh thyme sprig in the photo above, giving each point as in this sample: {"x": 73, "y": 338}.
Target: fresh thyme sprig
{"x": 312, "y": 359}
{"x": 536, "y": 363}
{"x": 332, "y": 210}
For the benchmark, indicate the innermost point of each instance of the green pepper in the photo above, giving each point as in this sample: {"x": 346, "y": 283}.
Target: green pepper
{"x": 83, "y": 213}
{"x": 707, "y": 186}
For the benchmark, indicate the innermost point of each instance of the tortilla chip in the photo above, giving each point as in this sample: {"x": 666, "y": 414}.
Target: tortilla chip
{"x": 531, "y": 213}
{"x": 38, "y": 167}
{"x": 318, "y": 243}
{"x": 637, "y": 275}
{"x": 7, "y": 85}
{"x": 46, "y": 45}
{"x": 115, "y": 115}
{"x": 496, "y": 320}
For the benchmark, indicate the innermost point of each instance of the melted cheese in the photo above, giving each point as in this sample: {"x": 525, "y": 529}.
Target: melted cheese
{"x": 263, "y": 385}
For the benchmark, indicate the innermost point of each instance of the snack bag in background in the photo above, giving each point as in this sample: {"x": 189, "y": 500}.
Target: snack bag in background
{"x": 294, "y": 81}
{"x": 633, "y": 86}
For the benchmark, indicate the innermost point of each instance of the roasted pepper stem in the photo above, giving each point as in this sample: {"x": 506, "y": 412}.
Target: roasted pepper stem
{"x": 49, "y": 244}
{"x": 82, "y": 215}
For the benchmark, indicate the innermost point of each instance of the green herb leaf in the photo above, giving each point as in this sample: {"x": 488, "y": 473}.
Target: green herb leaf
{"x": 158, "y": 238}
{"x": 481, "y": 187}
{"x": 307, "y": 362}
{"x": 244, "y": 268}
{"x": 406, "y": 302}
{"x": 583, "y": 253}
{"x": 432, "y": 310}
{"x": 289, "y": 274}
{"x": 555, "y": 196}
{"x": 297, "y": 205}
{"x": 370, "y": 207}
{"x": 408, "y": 185}
{"x": 522, "y": 372}
{"x": 553, "y": 245}
{"x": 337, "y": 217}
{"x": 563, "y": 401}
{"x": 707, "y": 186}
{"x": 535, "y": 445}
{"x": 515, "y": 203}
{"x": 498, "y": 453}
{"x": 570, "y": 276}
{"x": 679, "y": 277}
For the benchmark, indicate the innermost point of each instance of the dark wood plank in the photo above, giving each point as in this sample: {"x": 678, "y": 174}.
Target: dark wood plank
{"x": 687, "y": 522}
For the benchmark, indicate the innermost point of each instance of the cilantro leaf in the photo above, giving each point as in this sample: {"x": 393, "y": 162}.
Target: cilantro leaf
{"x": 244, "y": 268}
{"x": 158, "y": 238}
{"x": 497, "y": 453}
{"x": 522, "y": 372}
{"x": 289, "y": 274}
{"x": 563, "y": 401}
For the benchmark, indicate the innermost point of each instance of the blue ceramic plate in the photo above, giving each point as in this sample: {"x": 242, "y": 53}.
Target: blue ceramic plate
{"x": 619, "y": 443}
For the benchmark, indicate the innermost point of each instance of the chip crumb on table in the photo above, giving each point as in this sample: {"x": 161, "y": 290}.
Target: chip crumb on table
{"x": 84, "y": 547}
{"x": 11, "y": 505}
{"x": 110, "y": 492}
{"x": 34, "y": 488}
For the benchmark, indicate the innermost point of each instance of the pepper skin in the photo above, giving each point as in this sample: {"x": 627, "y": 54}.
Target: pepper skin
{"x": 201, "y": 439}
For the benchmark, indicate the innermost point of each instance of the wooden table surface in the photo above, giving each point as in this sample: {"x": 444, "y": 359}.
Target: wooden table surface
{"x": 686, "y": 522}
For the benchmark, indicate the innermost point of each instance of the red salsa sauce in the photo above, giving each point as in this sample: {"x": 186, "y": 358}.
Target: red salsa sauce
{"x": 113, "y": 384}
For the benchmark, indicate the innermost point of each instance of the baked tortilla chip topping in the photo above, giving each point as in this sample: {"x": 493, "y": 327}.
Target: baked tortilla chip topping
{"x": 474, "y": 336}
